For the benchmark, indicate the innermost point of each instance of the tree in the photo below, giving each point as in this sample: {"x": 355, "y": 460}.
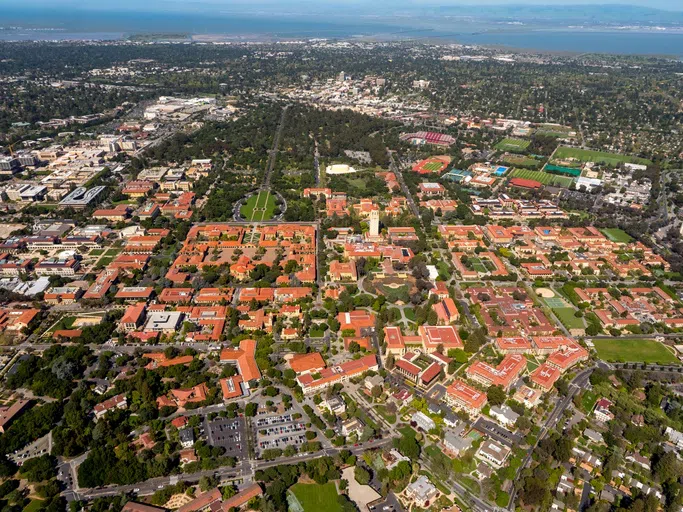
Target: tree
{"x": 666, "y": 467}
{"x": 408, "y": 446}
{"x": 206, "y": 483}
{"x": 534, "y": 491}
{"x": 361, "y": 475}
{"x": 562, "y": 387}
{"x": 250, "y": 409}
{"x": 39, "y": 468}
{"x": 496, "y": 395}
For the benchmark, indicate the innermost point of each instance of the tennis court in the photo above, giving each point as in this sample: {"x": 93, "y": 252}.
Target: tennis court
{"x": 457, "y": 175}
{"x": 555, "y": 302}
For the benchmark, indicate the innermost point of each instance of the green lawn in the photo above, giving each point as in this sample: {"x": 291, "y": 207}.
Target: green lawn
{"x": 97, "y": 252}
{"x": 65, "y": 322}
{"x": 566, "y": 316}
{"x": 531, "y": 365}
{"x": 588, "y": 400}
{"x": 410, "y": 314}
{"x": 407, "y": 431}
{"x": 105, "y": 260}
{"x": 478, "y": 265}
{"x": 543, "y": 177}
{"x": 617, "y": 235}
{"x": 316, "y": 333}
{"x": 588, "y": 155}
{"x": 259, "y": 207}
{"x": 315, "y": 497}
{"x": 634, "y": 351}
{"x": 391, "y": 418}
{"x": 33, "y": 506}
{"x": 359, "y": 183}
{"x": 512, "y": 144}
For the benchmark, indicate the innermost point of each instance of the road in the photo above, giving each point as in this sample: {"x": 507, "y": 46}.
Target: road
{"x": 243, "y": 471}
{"x": 316, "y": 163}
{"x": 465, "y": 494}
{"x": 578, "y": 383}
{"x": 406, "y": 191}
{"x": 273, "y": 152}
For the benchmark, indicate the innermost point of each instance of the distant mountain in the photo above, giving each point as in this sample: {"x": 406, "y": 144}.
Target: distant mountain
{"x": 601, "y": 14}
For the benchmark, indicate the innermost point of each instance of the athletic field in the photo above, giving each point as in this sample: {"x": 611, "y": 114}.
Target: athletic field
{"x": 554, "y": 130}
{"x": 514, "y": 145}
{"x": 521, "y": 160}
{"x": 588, "y": 155}
{"x": 315, "y": 497}
{"x": 432, "y": 165}
{"x": 259, "y": 207}
{"x": 543, "y": 177}
{"x": 634, "y": 351}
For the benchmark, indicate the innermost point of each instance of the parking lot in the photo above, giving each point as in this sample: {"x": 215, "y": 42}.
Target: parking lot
{"x": 229, "y": 434}
{"x": 496, "y": 432}
{"x": 273, "y": 420}
{"x": 279, "y": 431}
{"x": 35, "y": 449}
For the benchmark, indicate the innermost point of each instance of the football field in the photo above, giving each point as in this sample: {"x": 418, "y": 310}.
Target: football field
{"x": 514, "y": 145}
{"x": 543, "y": 177}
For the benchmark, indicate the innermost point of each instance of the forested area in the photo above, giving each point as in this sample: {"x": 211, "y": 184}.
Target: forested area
{"x": 42, "y": 102}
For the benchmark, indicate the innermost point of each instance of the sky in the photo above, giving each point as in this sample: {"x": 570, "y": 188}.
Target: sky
{"x": 152, "y": 5}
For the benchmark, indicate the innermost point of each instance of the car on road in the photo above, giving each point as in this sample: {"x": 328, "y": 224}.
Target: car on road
{"x": 136, "y": 490}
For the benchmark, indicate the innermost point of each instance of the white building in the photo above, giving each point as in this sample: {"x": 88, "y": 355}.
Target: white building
{"x": 340, "y": 169}
{"x": 504, "y": 415}
{"x": 421, "y": 491}
{"x": 423, "y": 421}
{"x": 493, "y": 453}
{"x": 674, "y": 436}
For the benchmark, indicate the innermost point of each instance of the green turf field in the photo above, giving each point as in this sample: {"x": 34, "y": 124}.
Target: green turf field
{"x": 566, "y": 316}
{"x": 511, "y": 144}
{"x": 259, "y": 207}
{"x": 617, "y": 235}
{"x": 543, "y": 177}
{"x": 520, "y": 160}
{"x": 588, "y": 155}
{"x": 315, "y": 497}
{"x": 433, "y": 166}
{"x": 634, "y": 351}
